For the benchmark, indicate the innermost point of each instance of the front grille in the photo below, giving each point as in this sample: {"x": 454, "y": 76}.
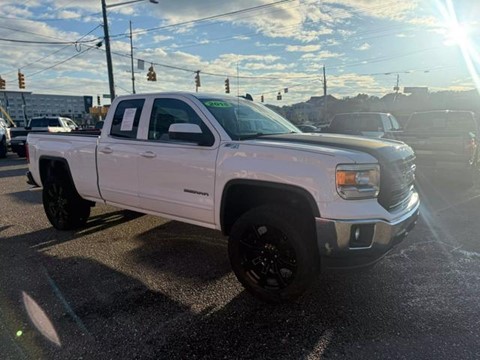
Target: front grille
{"x": 396, "y": 183}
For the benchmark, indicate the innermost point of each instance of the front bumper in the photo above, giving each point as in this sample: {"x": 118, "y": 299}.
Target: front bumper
{"x": 357, "y": 243}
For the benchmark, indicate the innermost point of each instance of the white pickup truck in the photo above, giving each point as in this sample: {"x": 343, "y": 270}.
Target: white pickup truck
{"x": 291, "y": 203}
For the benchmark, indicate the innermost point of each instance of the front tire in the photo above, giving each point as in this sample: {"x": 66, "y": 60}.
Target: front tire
{"x": 273, "y": 253}
{"x": 64, "y": 208}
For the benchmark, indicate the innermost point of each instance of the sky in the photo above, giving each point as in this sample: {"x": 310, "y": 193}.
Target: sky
{"x": 261, "y": 46}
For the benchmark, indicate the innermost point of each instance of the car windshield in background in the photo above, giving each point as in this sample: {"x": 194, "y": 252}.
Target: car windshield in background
{"x": 455, "y": 120}
{"x": 44, "y": 122}
{"x": 357, "y": 122}
{"x": 244, "y": 119}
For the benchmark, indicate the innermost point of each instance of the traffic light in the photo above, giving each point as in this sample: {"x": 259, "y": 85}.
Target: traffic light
{"x": 2, "y": 84}
{"x": 262, "y": 98}
{"x": 279, "y": 96}
{"x": 197, "y": 79}
{"x": 151, "y": 75}
{"x": 21, "y": 80}
{"x": 227, "y": 86}
{"x": 98, "y": 100}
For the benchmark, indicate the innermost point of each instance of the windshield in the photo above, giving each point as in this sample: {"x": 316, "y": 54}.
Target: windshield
{"x": 356, "y": 122}
{"x": 455, "y": 120}
{"x": 44, "y": 122}
{"x": 244, "y": 119}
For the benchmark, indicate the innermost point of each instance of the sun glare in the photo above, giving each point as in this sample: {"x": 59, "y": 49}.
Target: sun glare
{"x": 459, "y": 33}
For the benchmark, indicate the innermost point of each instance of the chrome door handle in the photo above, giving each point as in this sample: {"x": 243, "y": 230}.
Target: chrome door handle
{"x": 106, "y": 150}
{"x": 148, "y": 154}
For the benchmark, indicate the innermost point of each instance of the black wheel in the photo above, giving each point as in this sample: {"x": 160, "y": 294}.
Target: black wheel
{"x": 273, "y": 253}
{"x": 64, "y": 208}
{"x": 3, "y": 148}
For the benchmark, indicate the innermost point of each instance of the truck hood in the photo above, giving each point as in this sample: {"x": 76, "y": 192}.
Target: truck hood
{"x": 385, "y": 151}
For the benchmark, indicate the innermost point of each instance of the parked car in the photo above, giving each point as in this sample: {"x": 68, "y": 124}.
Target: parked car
{"x": 39, "y": 124}
{"x": 445, "y": 138}
{"x": 370, "y": 124}
{"x": 4, "y": 138}
{"x": 291, "y": 203}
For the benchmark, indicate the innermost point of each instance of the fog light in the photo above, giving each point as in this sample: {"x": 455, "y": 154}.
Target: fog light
{"x": 361, "y": 236}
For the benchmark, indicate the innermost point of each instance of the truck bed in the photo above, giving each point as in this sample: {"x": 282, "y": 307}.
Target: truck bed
{"x": 75, "y": 148}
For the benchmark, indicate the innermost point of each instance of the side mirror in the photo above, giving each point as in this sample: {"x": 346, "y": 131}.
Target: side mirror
{"x": 186, "y": 132}
{"x": 28, "y": 128}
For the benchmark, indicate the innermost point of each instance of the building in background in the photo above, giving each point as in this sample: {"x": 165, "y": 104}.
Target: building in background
{"x": 23, "y": 105}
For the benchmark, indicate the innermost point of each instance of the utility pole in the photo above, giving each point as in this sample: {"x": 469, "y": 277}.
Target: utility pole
{"x": 131, "y": 57}
{"x": 107, "y": 50}
{"x": 396, "y": 88}
{"x": 324, "y": 95}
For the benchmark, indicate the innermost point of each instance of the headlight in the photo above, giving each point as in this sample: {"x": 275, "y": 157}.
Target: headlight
{"x": 358, "y": 181}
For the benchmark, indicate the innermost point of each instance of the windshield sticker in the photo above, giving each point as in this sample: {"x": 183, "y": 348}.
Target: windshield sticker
{"x": 128, "y": 118}
{"x": 218, "y": 104}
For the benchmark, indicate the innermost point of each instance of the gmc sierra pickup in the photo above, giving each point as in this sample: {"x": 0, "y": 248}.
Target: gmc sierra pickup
{"x": 291, "y": 203}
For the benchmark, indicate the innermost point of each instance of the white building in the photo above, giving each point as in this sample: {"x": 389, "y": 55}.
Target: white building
{"x": 23, "y": 105}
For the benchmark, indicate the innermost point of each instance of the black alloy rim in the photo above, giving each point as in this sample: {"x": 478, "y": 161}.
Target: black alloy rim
{"x": 268, "y": 258}
{"x": 57, "y": 203}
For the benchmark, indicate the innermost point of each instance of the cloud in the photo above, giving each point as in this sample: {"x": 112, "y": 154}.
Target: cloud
{"x": 67, "y": 14}
{"x": 397, "y": 10}
{"x": 363, "y": 47}
{"x": 321, "y": 55}
{"x": 302, "y": 48}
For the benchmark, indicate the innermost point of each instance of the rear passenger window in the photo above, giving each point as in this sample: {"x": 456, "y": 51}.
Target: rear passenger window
{"x": 126, "y": 118}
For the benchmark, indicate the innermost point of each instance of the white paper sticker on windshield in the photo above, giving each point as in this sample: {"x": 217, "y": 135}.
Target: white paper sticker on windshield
{"x": 128, "y": 118}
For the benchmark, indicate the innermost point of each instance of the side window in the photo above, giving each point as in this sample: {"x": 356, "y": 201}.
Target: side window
{"x": 54, "y": 122}
{"x": 166, "y": 112}
{"x": 387, "y": 125}
{"x": 394, "y": 121}
{"x": 126, "y": 118}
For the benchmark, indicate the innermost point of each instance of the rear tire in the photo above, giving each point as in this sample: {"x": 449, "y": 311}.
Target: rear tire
{"x": 273, "y": 253}
{"x": 65, "y": 209}
{"x": 3, "y": 148}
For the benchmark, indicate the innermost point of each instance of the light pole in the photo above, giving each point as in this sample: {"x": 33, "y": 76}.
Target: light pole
{"x": 107, "y": 41}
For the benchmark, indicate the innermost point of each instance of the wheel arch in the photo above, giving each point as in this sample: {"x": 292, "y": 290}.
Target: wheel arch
{"x": 51, "y": 166}
{"x": 241, "y": 195}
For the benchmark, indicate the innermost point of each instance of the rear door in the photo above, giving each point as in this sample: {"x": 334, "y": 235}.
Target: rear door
{"x": 117, "y": 155}
{"x": 177, "y": 178}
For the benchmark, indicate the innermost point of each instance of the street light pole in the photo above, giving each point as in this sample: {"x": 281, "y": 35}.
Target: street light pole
{"x": 131, "y": 58}
{"x": 107, "y": 50}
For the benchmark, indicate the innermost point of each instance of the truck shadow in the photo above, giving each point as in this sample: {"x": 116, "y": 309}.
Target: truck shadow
{"x": 27, "y": 196}
{"x": 184, "y": 250}
{"x": 50, "y": 236}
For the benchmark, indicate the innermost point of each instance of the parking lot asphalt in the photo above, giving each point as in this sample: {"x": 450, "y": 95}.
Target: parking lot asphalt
{"x": 132, "y": 286}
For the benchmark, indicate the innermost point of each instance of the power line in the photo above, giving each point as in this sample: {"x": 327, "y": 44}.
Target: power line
{"x": 53, "y": 53}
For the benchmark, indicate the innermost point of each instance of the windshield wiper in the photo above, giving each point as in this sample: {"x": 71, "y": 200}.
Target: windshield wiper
{"x": 260, "y": 134}
{"x": 251, "y": 136}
